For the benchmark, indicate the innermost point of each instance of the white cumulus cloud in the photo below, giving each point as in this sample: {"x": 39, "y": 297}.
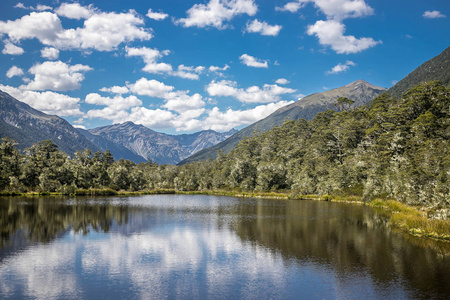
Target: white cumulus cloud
{"x": 339, "y": 68}
{"x": 153, "y": 118}
{"x": 217, "y": 12}
{"x": 191, "y": 118}
{"x": 178, "y": 101}
{"x": 150, "y": 57}
{"x": 50, "y": 53}
{"x": 117, "y": 108}
{"x": 254, "y": 94}
{"x": 12, "y": 49}
{"x": 433, "y": 14}
{"x": 263, "y": 28}
{"x": 291, "y": 7}
{"x": 188, "y": 72}
{"x": 48, "y": 102}
{"x": 116, "y": 103}
{"x": 158, "y": 16}
{"x": 334, "y": 9}
{"x": 182, "y": 110}
{"x": 223, "y": 121}
{"x": 151, "y": 88}
{"x": 44, "y": 26}
{"x": 57, "y": 76}
{"x": 104, "y": 32}
{"x": 282, "y": 81}
{"x": 331, "y": 33}
{"x": 254, "y": 62}
{"x": 181, "y": 102}
{"x": 217, "y": 69}
{"x": 116, "y": 90}
{"x": 14, "y": 71}
{"x": 101, "y": 31}
{"x": 152, "y": 65}
{"x": 75, "y": 11}
{"x": 38, "y": 7}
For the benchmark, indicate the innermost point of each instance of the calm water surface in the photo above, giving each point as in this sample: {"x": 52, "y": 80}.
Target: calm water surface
{"x": 207, "y": 247}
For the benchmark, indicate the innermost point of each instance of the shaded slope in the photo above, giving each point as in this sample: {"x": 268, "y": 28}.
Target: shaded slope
{"x": 27, "y": 126}
{"x": 437, "y": 68}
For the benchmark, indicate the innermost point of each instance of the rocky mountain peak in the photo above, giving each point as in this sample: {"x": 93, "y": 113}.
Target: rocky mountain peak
{"x": 160, "y": 147}
{"x": 360, "y": 83}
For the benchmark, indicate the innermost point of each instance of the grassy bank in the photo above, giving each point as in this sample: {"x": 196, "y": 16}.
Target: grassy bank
{"x": 409, "y": 219}
{"x": 91, "y": 192}
{"x": 414, "y": 220}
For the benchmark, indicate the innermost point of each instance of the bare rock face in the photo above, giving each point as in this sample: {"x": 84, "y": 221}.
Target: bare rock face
{"x": 307, "y": 108}
{"x": 159, "y": 147}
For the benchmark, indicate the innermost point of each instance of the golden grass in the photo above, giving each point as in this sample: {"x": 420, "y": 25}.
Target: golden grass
{"x": 413, "y": 221}
{"x": 232, "y": 193}
{"x": 353, "y": 199}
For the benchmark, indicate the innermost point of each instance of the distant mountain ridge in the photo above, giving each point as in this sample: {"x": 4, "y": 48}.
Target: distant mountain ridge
{"x": 360, "y": 91}
{"x": 437, "y": 68}
{"x": 118, "y": 151}
{"x": 27, "y": 126}
{"x": 149, "y": 144}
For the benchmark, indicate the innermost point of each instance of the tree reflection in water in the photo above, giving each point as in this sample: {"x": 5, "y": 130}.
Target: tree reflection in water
{"x": 347, "y": 236}
{"x": 146, "y": 233}
{"x": 43, "y": 219}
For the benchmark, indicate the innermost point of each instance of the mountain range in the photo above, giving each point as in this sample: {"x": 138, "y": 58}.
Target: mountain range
{"x": 148, "y": 144}
{"x": 138, "y": 143}
{"x": 437, "y": 68}
{"x": 359, "y": 91}
{"x": 27, "y": 126}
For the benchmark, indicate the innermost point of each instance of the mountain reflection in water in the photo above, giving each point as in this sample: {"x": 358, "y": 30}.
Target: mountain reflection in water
{"x": 210, "y": 247}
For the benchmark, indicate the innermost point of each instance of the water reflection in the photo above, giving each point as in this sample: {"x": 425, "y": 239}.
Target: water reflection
{"x": 209, "y": 247}
{"x": 351, "y": 238}
{"x": 41, "y": 220}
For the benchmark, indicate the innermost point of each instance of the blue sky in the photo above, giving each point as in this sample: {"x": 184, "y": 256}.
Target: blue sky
{"x": 184, "y": 66}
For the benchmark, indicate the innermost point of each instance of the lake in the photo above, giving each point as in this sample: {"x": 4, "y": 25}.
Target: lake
{"x": 210, "y": 247}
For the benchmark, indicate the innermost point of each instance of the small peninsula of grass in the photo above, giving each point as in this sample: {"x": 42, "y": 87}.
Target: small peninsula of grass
{"x": 413, "y": 220}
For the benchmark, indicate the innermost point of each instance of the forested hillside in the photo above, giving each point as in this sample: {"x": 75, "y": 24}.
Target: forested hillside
{"x": 395, "y": 148}
{"x": 360, "y": 91}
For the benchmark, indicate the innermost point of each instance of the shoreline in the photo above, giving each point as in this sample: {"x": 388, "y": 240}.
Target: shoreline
{"x": 412, "y": 220}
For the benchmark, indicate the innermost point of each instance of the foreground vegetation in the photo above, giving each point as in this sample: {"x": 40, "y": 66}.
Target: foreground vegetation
{"x": 394, "y": 149}
{"x": 413, "y": 220}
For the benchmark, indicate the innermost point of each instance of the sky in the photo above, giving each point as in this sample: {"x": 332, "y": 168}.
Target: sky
{"x": 181, "y": 66}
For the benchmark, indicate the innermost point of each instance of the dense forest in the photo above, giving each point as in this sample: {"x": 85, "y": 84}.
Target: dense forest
{"x": 395, "y": 148}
